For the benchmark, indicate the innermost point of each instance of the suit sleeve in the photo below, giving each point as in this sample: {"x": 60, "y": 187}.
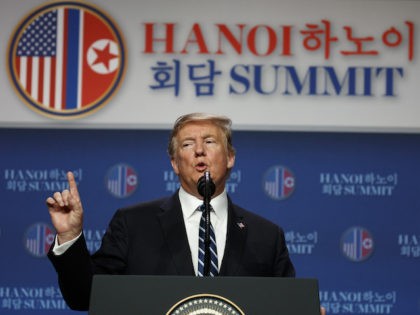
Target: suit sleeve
{"x": 76, "y": 267}
{"x": 282, "y": 266}
{"x": 75, "y": 272}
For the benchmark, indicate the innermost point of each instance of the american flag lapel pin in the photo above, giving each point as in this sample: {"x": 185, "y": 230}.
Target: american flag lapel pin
{"x": 241, "y": 225}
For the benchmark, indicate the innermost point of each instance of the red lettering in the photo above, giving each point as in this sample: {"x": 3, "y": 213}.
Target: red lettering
{"x": 150, "y": 38}
{"x": 259, "y": 40}
{"x": 271, "y": 40}
{"x": 236, "y": 43}
{"x": 287, "y": 35}
{"x": 196, "y": 37}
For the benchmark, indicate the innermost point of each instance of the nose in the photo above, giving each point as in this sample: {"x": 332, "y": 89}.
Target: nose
{"x": 200, "y": 149}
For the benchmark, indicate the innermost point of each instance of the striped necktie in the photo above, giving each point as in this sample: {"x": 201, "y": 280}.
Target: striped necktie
{"x": 214, "y": 270}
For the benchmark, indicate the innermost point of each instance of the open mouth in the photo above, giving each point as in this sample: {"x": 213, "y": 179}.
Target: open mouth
{"x": 201, "y": 167}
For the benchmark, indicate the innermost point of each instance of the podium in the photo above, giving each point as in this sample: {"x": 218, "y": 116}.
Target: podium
{"x": 185, "y": 295}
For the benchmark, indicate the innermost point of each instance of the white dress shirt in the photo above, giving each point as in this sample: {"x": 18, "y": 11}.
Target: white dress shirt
{"x": 192, "y": 217}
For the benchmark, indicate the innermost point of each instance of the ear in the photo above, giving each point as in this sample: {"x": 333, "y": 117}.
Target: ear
{"x": 175, "y": 166}
{"x": 231, "y": 160}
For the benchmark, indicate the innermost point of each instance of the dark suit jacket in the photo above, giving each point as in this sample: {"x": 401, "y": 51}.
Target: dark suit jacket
{"x": 150, "y": 239}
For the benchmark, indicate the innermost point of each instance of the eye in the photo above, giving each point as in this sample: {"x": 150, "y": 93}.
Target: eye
{"x": 187, "y": 144}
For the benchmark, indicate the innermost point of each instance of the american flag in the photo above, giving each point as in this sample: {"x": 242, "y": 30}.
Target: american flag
{"x": 37, "y": 62}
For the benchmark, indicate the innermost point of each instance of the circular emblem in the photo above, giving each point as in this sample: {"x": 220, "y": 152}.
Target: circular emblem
{"x": 357, "y": 244}
{"x": 279, "y": 182}
{"x": 121, "y": 180}
{"x": 205, "y": 304}
{"x": 38, "y": 239}
{"x": 66, "y": 59}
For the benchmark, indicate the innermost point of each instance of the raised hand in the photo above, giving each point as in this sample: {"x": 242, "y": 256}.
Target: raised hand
{"x": 66, "y": 211}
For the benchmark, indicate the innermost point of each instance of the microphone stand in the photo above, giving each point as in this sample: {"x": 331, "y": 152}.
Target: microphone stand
{"x": 206, "y": 189}
{"x": 207, "y": 233}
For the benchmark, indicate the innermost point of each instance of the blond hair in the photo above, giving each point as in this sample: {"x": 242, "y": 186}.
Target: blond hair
{"x": 222, "y": 122}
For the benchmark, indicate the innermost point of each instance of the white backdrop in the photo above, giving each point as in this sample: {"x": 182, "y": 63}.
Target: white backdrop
{"x": 136, "y": 105}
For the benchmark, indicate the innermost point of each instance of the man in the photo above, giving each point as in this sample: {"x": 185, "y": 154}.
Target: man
{"x": 161, "y": 237}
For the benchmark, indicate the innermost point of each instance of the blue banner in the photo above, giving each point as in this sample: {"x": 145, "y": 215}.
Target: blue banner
{"x": 348, "y": 203}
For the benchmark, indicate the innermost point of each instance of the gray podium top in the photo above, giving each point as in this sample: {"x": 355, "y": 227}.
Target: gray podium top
{"x": 184, "y": 295}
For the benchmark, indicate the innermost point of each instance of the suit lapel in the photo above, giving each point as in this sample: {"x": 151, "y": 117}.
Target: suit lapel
{"x": 235, "y": 242}
{"x": 173, "y": 228}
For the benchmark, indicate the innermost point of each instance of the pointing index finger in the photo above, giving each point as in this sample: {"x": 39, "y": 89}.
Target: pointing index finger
{"x": 72, "y": 185}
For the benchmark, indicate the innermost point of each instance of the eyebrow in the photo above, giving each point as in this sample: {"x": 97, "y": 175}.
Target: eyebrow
{"x": 203, "y": 137}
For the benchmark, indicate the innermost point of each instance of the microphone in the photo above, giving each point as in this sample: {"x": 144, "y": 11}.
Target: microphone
{"x": 206, "y": 186}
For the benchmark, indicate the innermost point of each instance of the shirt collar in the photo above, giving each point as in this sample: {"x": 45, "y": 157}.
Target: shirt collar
{"x": 190, "y": 203}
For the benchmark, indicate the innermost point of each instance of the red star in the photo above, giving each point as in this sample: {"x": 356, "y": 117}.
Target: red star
{"x": 104, "y": 56}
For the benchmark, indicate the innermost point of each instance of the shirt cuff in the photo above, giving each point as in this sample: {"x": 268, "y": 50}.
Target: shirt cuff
{"x": 60, "y": 249}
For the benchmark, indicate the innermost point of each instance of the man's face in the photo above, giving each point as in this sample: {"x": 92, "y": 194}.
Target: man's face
{"x": 201, "y": 147}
